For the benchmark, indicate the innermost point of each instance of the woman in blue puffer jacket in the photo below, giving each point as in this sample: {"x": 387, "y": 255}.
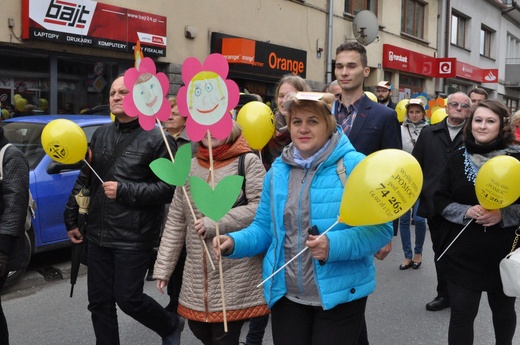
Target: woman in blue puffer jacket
{"x": 320, "y": 297}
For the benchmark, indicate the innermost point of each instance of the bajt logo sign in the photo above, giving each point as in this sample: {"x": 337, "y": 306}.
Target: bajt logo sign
{"x": 66, "y": 16}
{"x": 93, "y": 24}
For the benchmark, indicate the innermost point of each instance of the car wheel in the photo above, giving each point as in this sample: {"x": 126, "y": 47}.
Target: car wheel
{"x": 12, "y": 276}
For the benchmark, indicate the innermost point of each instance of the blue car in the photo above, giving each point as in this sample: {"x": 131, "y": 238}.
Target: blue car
{"x": 50, "y": 182}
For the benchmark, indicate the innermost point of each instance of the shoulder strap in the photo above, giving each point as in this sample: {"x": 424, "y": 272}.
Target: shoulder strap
{"x": 342, "y": 172}
{"x": 242, "y": 172}
{"x": 2, "y": 152}
{"x": 119, "y": 150}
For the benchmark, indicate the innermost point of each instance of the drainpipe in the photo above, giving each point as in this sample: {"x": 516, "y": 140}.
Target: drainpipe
{"x": 444, "y": 43}
{"x": 329, "y": 43}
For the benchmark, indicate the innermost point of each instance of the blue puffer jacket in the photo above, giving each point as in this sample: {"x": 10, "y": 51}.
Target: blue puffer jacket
{"x": 349, "y": 272}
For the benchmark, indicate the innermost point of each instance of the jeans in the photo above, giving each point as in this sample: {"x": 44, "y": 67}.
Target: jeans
{"x": 464, "y": 310}
{"x": 4, "y": 334}
{"x": 117, "y": 276}
{"x": 420, "y": 232}
{"x": 294, "y": 323}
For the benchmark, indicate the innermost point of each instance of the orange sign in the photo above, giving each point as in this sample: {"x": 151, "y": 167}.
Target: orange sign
{"x": 239, "y": 50}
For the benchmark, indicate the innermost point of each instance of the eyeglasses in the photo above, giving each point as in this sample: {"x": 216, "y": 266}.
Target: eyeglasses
{"x": 457, "y": 104}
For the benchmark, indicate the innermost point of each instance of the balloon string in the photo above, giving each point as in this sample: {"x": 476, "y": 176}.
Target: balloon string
{"x": 94, "y": 171}
{"x": 297, "y": 255}
{"x": 460, "y": 233}
{"x": 220, "y": 270}
{"x": 185, "y": 194}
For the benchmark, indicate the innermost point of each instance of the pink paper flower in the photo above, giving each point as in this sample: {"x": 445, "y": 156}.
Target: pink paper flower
{"x": 207, "y": 97}
{"x": 146, "y": 98}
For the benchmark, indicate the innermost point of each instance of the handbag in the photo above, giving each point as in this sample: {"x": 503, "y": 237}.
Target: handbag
{"x": 510, "y": 269}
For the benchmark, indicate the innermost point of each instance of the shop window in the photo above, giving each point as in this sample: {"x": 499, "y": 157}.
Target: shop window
{"x": 459, "y": 24}
{"x": 413, "y": 18}
{"x": 486, "y": 35}
{"x": 355, "y": 6}
{"x": 409, "y": 85}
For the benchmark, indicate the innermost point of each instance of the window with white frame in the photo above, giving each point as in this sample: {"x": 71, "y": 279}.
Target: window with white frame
{"x": 459, "y": 24}
{"x": 486, "y": 35}
{"x": 413, "y": 17}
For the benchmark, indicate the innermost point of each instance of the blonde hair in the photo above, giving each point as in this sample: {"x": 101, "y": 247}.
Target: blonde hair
{"x": 516, "y": 119}
{"x": 321, "y": 107}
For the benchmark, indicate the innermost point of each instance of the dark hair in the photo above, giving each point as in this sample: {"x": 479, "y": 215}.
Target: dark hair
{"x": 354, "y": 46}
{"x": 506, "y": 135}
{"x": 479, "y": 91}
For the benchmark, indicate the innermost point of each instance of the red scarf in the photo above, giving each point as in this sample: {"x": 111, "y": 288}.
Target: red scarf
{"x": 224, "y": 154}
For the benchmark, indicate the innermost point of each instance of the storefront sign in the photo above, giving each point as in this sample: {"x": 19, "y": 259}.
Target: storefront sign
{"x": 480, "y": 75}
{"x": 409, "y": 61}
{"x": 93, "y": 24}
{"x": 259, "y": 58}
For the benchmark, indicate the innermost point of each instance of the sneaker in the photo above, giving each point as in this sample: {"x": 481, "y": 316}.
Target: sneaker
{"x": 175, "y": 337}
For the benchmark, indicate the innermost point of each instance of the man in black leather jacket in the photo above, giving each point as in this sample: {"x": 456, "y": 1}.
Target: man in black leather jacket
{"x": 14, "y": 198}
{"x": 125, "y": 216}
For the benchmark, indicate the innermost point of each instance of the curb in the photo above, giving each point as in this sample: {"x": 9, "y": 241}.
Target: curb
{"x": 38, "y": 278}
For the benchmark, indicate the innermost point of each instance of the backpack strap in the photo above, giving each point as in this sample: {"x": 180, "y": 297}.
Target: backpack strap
{"x": 342, "y": 172}
{"x": 2, "y": 153}
{"x": 242, "y": 172}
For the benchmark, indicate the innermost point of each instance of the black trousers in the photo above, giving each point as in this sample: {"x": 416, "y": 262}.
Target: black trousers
{"x": 4, "y": 333}
{"x": 464, "y": 309}
{"x": 213, "y": 333}
{"x": 116, "y": 276}
{"x": 438, "y": 237}
{"x": 294, "y": 323}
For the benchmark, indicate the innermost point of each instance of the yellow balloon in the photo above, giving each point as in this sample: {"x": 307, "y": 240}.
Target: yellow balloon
{"x": 400, "y": 109}
{"x": 371, "y": 96}
{"x": 64, "y": 141}
{"x": 20, "y": 103}
{"x": 381, "y": 188}
{"x": 257, "y": 122}
{"x": 438, "y": 115}
{"x": 497, "y": 183}
{"x": 112, "y": 117}
{"x": 17, "y": 96}
{"x": 5, "y": 114}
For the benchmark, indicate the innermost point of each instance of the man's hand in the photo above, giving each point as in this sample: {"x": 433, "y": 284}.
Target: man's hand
{"x": 110, "y": 188}
{"x": 75, "y": 236}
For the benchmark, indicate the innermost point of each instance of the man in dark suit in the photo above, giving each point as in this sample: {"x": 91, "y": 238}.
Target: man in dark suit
{"x": 370, "y": 126}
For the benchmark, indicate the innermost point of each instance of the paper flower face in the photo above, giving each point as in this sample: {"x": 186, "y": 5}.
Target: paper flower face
{"x": 207, "y": 97}
{"x": 146, "y": 98}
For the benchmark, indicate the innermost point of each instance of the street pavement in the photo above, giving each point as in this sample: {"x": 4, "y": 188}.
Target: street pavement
{"x": 396, "y": 314}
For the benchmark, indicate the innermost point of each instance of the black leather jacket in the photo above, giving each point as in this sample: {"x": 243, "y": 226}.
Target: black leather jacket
{"x": 134, "y": 219}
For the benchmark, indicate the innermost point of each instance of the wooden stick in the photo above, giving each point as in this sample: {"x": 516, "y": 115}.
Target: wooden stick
{"x": 221, "y": 274}
{"x": 297, "y": 255}
{"x": 206, "y": 251}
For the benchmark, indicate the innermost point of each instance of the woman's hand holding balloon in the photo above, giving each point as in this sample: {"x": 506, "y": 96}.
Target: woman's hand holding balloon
{"x": 319, "y": 247}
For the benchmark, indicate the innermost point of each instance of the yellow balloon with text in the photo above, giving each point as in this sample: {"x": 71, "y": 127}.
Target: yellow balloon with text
{"x": 64, "y": 141}
{"x": 371, "y": 96}
{"x": 497, "y": 183}
{"x": 400, "y": 109}
{"x": 257, "y": 122}
{"x": 381, "y": 188}
{"x": 438, "y": 115}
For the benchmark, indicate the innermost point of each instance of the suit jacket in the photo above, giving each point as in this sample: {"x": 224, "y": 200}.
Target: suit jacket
{"x": 375, "y": 128}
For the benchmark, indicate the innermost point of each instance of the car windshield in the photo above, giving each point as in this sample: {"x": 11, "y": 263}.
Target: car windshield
{"x": 27, "y": 138}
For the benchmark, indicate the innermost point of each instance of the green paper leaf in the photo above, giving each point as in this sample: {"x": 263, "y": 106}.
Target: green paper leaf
{"x": 176, "y": 173}
{"x": 214, "y": 204}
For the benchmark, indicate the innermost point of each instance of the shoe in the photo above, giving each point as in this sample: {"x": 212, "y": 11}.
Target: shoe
{"x": 406, "y": 266}
{"x": 439, "y": 303}
{"x": 417, "y": 264}
{"x": 175, "y": 337}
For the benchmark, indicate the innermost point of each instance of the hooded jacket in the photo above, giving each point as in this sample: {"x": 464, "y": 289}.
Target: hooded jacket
{"x": 349, "y": 271}
{"x": 134, "y": 219}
